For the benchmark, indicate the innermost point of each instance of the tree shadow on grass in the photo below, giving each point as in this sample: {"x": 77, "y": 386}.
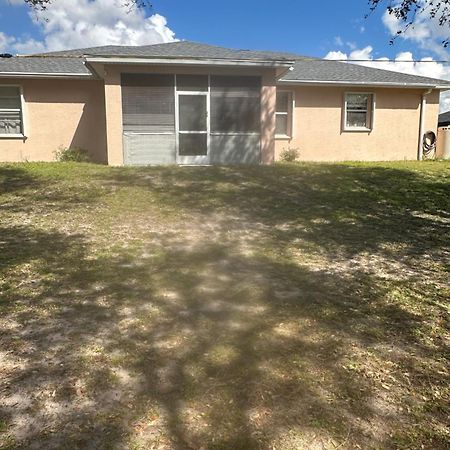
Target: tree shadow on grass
{"x": 33, "y": 190}
{"x": 341, "y": 208}
{"x": 214, "y": 343}
{"x": 193, "y": 347}
{"x": 14, "y": 178}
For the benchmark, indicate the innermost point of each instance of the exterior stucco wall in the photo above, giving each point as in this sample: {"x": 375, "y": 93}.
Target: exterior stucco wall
{"x": 88, "y": 114}
{"x": 58, "y": 113}
{"x": 113, "y": 101}
{"x": 318, "y": 133}
{"x": 432, "y": 112}
{"x": 432, "y": 116}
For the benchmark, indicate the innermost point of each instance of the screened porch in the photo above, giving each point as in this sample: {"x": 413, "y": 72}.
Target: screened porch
{"x": 191, "y": 119}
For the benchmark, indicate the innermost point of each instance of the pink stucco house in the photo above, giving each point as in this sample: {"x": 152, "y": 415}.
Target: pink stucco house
{"x": 190, "y": 103}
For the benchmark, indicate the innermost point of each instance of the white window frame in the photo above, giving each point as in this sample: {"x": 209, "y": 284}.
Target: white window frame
{"x": 345, "y": 127}
{"x": 22, "y": 115}
{"x": 290, "y": 111}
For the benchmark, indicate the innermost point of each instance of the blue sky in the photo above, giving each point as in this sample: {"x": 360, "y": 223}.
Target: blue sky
{"x": 305, "y": 27}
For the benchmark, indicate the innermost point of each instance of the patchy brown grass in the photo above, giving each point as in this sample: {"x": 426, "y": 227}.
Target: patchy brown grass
{"x": 284, "y": 307}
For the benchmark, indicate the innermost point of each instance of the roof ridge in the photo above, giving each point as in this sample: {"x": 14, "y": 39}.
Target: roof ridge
{"x": 80, "y": 52}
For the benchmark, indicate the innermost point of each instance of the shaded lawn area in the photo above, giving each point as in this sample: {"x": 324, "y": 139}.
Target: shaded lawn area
{"x": 284, "y": 307}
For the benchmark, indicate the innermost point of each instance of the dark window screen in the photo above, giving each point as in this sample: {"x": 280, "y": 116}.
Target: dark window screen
{"x": 235, "y": 104}
{"x": 148, "y": 103}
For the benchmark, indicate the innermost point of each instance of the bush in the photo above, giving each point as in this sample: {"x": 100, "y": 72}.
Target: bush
{"x": 72, "y": 154}
{"x": 289, "y": 154}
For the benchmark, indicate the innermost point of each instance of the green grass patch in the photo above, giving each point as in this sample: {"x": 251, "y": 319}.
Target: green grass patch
{"x": 291, "y": 306}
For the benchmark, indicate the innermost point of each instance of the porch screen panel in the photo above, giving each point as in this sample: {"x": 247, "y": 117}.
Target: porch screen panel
{"x": 235, "y": 104}
{"x": 148, "y": 103}
{"x": 143, "y": 149}
{"x": 235, "y": 149}
{"x": 148, "y": 114}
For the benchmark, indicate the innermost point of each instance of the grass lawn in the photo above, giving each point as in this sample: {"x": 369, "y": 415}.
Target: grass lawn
{"x": 298, "y": 306}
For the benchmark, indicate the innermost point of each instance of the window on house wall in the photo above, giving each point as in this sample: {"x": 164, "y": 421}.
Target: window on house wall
{"x": 283, "y": 127}
{"x": 358, "y": 111}
{"x": 11, "y": 122}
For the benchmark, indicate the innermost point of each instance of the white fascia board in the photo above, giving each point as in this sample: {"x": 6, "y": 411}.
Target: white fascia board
{"x": 44, "y": 75}
{"x": 190, "y": 62}
{"x": 359, "y": 84}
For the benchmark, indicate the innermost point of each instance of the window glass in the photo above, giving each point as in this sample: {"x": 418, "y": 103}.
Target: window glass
{"x": 357, "y": 101}
{"x": 358, "y": 110}
{"x": 281, "y": 127}
{"x": 10, "y": 110}
{"x": 283, "y": 114}
{"x": 357, "y": 119}
{"x": 282, "y": 101}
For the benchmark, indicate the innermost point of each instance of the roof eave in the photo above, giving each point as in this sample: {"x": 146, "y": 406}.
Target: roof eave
{"x": 190, "y": 62}
{"x": 45, "y": 75}
{"x": 362, "y": 84}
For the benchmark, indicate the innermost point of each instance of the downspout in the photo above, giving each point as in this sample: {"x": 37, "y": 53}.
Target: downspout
{"x": 423, "y": 106}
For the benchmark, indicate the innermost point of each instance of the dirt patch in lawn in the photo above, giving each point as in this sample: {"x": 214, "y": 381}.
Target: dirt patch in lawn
{"x": 285, "y": 307}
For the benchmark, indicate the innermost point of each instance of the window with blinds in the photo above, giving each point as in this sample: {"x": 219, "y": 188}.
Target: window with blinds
{"x": 148, "y": 103}
{"x": 283, "y": 114}
{"x": 358, "y": 111}
{"x": 235, "y": 104}
{"x": 11, "y": 122}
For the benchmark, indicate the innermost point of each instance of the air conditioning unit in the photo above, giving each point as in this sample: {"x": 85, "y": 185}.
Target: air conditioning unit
{"x": 443, "y": 143}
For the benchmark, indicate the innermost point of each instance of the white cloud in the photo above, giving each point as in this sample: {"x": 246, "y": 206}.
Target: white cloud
{"x": 363, "y": 53}
{"x": 427, "y": 34}
{"x": 338, "y": 41}
{"x": 336, "y": 54}
{"x": 5, "y": 42}
{"x": 424, "y": 32}
{"x": 404, "y": 62}
{"x": 86, "y": 23}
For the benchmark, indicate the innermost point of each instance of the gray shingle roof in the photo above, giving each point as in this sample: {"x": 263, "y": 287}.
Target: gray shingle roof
{"x": 321, "y": 70}
{"x": 180, "y": 49}
{"x": 444, "y": 118}
{"x": 305, "y": 69}
{"x": 43, "y": 65}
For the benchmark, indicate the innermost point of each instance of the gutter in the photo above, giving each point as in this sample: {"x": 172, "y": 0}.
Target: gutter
{"x": 44, "y": 75}
{"x": 423, "y": 105}
{"x": 362, "y": 84}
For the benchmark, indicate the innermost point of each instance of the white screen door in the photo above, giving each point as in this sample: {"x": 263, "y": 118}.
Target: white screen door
{"x": 193, "y": 128}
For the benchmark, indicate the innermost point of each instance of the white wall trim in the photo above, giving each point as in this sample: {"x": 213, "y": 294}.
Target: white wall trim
{"x": 45, "y": 75}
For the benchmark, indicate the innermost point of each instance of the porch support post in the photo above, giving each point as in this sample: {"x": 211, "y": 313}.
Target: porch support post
{"x": 113, "y": 109}
{"x": 268, "y": 106}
